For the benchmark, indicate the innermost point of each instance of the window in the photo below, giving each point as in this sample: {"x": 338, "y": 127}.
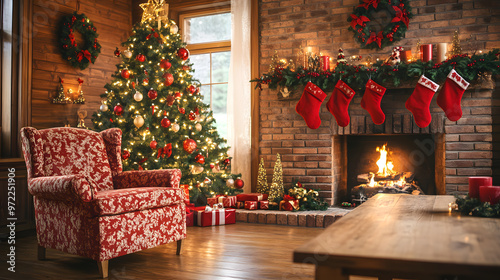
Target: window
{"x": 208, "y": 35}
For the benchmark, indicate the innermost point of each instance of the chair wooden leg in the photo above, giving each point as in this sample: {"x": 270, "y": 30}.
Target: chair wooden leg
{"x": 41, "y": 253}
{"x": 103, "y": 268}
{"x": 179, "y": 245}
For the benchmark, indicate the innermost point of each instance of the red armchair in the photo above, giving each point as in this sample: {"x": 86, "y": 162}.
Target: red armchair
{"x": 85, "y": 205}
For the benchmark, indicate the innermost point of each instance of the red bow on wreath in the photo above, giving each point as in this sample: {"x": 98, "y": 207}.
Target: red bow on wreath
{"x": 401, "y": 15}
{"x": 367, "y": 3}
{"x": 72, "y": 39}
{"x": 375, "y": 38}
{"x": 165, "y": 151}
{"x": 83, "y": 53}
{"x": 358, "y": 20}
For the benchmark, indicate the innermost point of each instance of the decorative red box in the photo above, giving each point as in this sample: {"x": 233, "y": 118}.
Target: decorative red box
{"x": 251, "y": 205}
{"x": 289, "y": 205}
{"x": 252, "y": 197}
{"x": 211, "y": 201}
{"x": 264, "y": 204}
{"x": 216, "y": 217}
{"x": 190, "y": 219}
{"x": 226, "y": 200}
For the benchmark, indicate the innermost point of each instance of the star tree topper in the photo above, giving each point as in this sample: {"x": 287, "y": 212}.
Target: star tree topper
{"x": 154, "y": 10}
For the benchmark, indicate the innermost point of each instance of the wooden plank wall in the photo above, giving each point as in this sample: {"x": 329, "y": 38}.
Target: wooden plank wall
{"x": 113, "y": 20}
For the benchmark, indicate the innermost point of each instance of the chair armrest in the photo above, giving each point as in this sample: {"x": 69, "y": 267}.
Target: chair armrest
{"x": 148, "y": 178}
{"x": 68, "y": 187}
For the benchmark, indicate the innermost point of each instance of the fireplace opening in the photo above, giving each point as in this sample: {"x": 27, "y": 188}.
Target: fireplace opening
{"x": 390, "y": 164}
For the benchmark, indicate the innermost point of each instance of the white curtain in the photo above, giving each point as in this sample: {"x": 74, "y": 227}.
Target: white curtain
{"x": 239, "y": 92}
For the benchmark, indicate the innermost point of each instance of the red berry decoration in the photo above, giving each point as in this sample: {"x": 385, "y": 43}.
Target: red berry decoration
{"x": 189, "y": 145}
{"x": 153, "y": 144}
{"x": 165, "y": 64}
{"x": 238, "y": 183}
{"x": 125, "y": 73}
{"x": 183, "y": 53}
{"x": 199, "y": 158}
{"x": 169, "y": 79}
{"x": 152, "y": 94}
{"x": 140, "y": 57}
{"x": 117, "y": 52}
{"x": 125, "y": 154}
{"x": 165, "y": 122}
{"x": 192, "y": 89}
{"x": 118, "y": 109}
{"x": 182, "y": 110}
{"x": 192, "y": 116}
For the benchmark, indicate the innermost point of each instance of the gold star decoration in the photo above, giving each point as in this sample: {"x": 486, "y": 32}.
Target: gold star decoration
{"x": 151, "y": 9}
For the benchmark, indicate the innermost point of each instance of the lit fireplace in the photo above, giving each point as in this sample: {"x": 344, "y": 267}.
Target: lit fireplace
{"x": 385, "y": 180}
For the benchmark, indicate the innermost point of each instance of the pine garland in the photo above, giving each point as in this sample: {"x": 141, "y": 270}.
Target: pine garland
{"x": 474, "y": 207}
{"x": 386, "y": 75}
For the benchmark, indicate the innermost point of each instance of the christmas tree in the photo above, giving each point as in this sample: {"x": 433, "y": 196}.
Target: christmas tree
{"x": 262, "y": 186}
{"x": 277, "y": 189}
{"x": 155, "y": 101}
{"x": 456, "y": 49}
{"x": 341, "y": 57}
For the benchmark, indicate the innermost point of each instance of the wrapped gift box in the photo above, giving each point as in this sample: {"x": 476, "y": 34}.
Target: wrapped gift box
{"x": 211, "y": 201}
{"x": 264, "y": 204}
{"x": 289, "y": 205}
{"x": 240, "y": 205}
{"x": 251, "y": 205}
{"x": 216, "y": 217}
{"x": 190, "y": 218}
{"x": 225, "y": 200}
{"x": 251, "y": 197}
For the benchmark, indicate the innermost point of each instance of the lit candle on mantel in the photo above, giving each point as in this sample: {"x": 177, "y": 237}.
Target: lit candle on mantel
{"x": 325, "y": 62}
{"x": 476, "y": 182}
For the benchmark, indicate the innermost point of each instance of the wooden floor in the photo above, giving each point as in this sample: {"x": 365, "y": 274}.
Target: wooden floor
{"x": 239, "y": 251}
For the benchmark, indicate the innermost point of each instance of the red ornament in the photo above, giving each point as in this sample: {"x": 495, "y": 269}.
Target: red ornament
{"x": 140, "y": 57}
{"x": 153, "y": 144}
{"x": 182, "y": 110}
{"x": 192, "y": 89}
{"x": 152, "y": 94}
{"x": 192, "y": 116}
{"x": 118, "y": 109}
{"x": 170, "y": 100}
{"x": 165, "y": 64}
{"x": 155, "y": 35}
{"x": 145, "y": 81}
{"x": 165, "y": 122}
{"x": 125, "y": 154}
{"x": 125, "y": 73}
{"x": 199, "y": 158}
{"x": 148, "y": 37}
{"x": 238, "y": 183}
{"x": 189, "y": 145}
{"x": 133, "y": 85}
{"x": 212, "y": 166}
{"x": 178, "y": 95}
{"x": 185, "y": 67}
{"x": 117, "y": 52}
{"x": 169, "y": 79}
{"x": 183, "y": 53}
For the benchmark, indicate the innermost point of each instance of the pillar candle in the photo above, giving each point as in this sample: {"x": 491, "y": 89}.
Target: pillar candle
{"x": 325, "y": 63}
{"x": 476, "y": 182}
{"x": 426, "y": 52}
{"x": 489, "y": 194}
{"x": 442, "y": 48}
{"x": 405, "y": 56}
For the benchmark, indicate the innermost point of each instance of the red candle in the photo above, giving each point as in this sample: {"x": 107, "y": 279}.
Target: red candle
{"x": 476, "y": 182}
{"x": 405, "y": 56}
{"x": 489, "y": 194}
{"x": 426, "y": 52}
{"x": 325, "y": 62}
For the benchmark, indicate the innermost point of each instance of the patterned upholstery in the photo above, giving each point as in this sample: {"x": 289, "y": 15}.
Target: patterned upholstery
{"x": 85, "y": 205}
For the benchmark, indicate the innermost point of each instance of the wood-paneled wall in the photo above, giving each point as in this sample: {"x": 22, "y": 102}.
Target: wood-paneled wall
{"x": 113, "y": 21}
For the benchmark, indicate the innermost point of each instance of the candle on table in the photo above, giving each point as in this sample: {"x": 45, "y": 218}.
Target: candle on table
{"x": 442, "y": 48}
{"x": 405, "y": 56}
{"x": 426, "y": 52}
{"x": 476, "y": 182}
{"x": 489, "y": 194}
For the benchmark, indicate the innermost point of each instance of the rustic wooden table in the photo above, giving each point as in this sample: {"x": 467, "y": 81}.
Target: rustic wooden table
{"x": 406, "y": 236}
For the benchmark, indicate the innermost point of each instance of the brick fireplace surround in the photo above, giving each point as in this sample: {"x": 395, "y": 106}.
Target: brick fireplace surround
{"x": 314, "y": 157}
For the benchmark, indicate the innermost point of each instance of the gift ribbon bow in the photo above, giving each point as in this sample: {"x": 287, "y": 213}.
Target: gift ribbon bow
{"x": 358, "y": 20}
{"x": 82, "y": 54}
{"x": 375, "y": 38}
{"x": 400, "y": 15}
{"x": 367, "y": 3}
{"x": 165, "y": 151}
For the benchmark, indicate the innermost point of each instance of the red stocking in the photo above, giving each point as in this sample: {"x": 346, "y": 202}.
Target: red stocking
{"x": 371, "y": 101}
{"x": 339, "y": 103}
{"x": 450, "y": 96}
{"x": 420, "y": 100}
{"x": 309, "y": 105}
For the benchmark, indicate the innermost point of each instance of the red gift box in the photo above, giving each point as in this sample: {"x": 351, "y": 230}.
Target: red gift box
{"x": 211, "y": 201}
{"x": 251, "y": 205}
{"x": 289, "y": 205}
{"x": 190, "y": 219}
{"x": 264, "y": 204}
{"x": 252, "y": 197}
{"x": 227, "y": 201}
{"x": 240, "y": 205}
{"x": 216, "y": 217}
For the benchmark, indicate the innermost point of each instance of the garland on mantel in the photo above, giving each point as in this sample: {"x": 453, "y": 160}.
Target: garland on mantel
{"x": 474, "y": 207}
{"x": 472, "y": 68}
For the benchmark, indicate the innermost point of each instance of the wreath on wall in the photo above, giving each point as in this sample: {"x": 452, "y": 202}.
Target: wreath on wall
{"x": 369, "y": 37}
{"x": 79, "y": 56}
